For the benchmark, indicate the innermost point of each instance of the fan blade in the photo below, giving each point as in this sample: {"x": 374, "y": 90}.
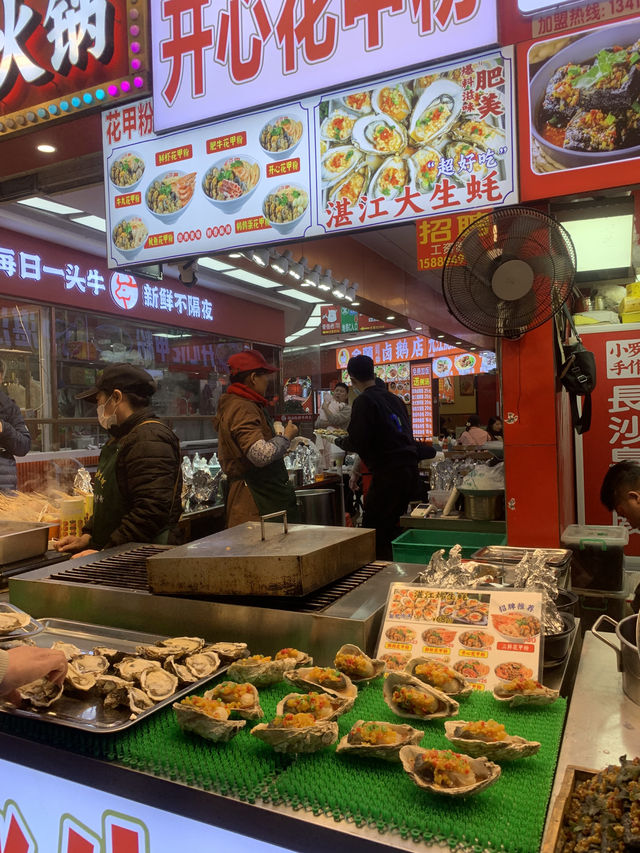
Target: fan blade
{"x": 542, "y": 265}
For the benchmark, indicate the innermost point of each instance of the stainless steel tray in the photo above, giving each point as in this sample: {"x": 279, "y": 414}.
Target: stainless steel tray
{"x": 20, "y": 540}
{"x": 30, "y": 630}
{"x": 88, "y": 713}
{"x": 557, "y": 558}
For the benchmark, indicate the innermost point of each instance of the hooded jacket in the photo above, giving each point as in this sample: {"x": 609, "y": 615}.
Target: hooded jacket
{"x": 15, "y": 440}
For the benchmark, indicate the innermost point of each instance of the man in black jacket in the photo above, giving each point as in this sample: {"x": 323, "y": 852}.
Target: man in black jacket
{"x": 138, "y": 484}
{"x": 380, "y": 433}
{"x": 15, "y": 439}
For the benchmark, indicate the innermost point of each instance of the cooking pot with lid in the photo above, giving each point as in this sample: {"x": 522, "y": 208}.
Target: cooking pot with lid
{"x": 627, "y": 653}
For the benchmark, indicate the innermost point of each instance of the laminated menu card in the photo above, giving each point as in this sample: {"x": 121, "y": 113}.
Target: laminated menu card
{"x": 489, "y": 637}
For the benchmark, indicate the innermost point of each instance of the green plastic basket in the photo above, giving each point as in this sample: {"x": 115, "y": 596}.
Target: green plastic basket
{"x": 417, "y": 546}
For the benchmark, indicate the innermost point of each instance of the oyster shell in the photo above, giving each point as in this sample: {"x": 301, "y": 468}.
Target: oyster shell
{"x": 158, "y": 684}
{"x": 426, "y": 173}
{"x": 438, "y": 675}
{"x": 13, "y": 620}
{"x": 467, "y": 159}
{"x": 524, "y": 691}
{"x": 184, "y": 675}
{"x": 352, "y": 661}
{"x": 68, "y": 649}
{"x": 506, "y": 749}
{"x": 176, "y": 646}
{"x": 132, "y": 668}
{"x": 259, "y": 670}
{"x": 296, "y": 733}
{"x": 358, "y": 102}
{"x": 393, "y": 100}
{"x": 379, "y": 740}
{"x": 42, "y": 693}
{"x": 96, "y": 664}
{"x": 322, "y": 706}
{"x": 13, "y": 644}
{"x": 228, "y": 651}
{"x": 325, "y": 680}
{"x": 202, "y": 664}
{"x": 208, "y": 719}
{"x": 241, "y": 700}
{"x": 78, "y": 680}
{"x": 138, "y": 700}
{"x": 107, "y": 683}
{"x": 157, "y": 654}
{"x": 300, "y": 658}
{"x": 337, "y": 126}
{"x": 337, "y": 162}
{"x": 351, "y": 187}
{"x": 436, "y": 111}
{"x": 390, "y": 179}
{"x": 379, "y": 134}
{"x": 417, "y": 699}
{"x": 479, "y": 132}
{"x": 419, "y": 764}
{"x": 112, "y": 655}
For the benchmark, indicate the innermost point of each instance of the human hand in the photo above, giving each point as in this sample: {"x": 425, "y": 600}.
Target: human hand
{"x": 73, "y": 543}
{"x": 278, "y": 427}
{"x": 354, "y": 482}
{"x": 291, "y": 430}
{"x": 28, "y": 663}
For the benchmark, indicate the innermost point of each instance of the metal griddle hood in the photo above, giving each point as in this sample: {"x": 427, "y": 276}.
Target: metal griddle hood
{"x": 238, "y": 561}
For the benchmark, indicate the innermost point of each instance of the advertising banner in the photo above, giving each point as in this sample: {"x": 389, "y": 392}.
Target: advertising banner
{"x": 330, "y": 319}
{"x": 579, "y": 111}
{"x": 435, "y": 234}
{"x": 615, "y": 423}
{"x": 488, "y": 637}
{"x": 447, "y": 360}
{"x": 214, "y": 58}
{"x": 464, "y": 364}
{"x": 421, "y": 401}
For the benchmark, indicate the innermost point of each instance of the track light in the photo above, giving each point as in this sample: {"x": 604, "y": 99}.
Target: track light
{"x": 326, "y": 282}
{"x": 340, "y": 290}
{"x": 312, "y": 278}
{"x": 280, "y": 262}
{"x": 350, "y": 294}
{"x": 298, "y": 270}
{"x": 187, "y": 271}
{"x": 259, "y": 256}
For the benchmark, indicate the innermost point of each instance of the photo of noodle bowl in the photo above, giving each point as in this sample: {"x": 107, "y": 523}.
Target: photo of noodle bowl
{"x": 395, "y": 660}
{"x": 442, "y": 366}
{"x": 471, "y": 669}
{"x": 129, "y": 235}
{"x": 512, "y": 669}
{"x": 464, "y": 362}
{"x": 516, "y": 626}
{"x": 400, "y": 634}
{"x": 230, "y": 181}
{"x": 126, "y": 172}
{"x": 168, "y": 195}
{"x": 285, "y": 206}
{"x": 475, "y": 640}
{"x": 438, "y": 637}
{"x": 280, "y": 136}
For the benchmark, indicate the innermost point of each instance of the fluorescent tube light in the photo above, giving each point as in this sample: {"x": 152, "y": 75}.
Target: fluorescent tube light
{"x": 96, "y": 222}
{"x": 252, "y": 278}
{"x": 48, "y": 206}
{"x": 212, "y": 264}
{"x": 300, "y": 295}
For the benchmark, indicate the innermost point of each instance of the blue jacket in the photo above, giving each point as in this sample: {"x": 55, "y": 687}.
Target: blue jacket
{"x": 15, "y": 440}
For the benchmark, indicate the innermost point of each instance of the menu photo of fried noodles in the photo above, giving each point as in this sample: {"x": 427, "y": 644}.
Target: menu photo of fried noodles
{"x": 400, "y": 634}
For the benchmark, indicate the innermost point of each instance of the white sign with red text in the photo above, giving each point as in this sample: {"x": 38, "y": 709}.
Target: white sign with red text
{"x": 212, "y": 59}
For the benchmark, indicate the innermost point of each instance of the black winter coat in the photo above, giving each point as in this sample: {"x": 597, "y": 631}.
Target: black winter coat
{"x": 149, "y": 478}
{"x": 380, "y": 430}
{"x": 15, "y": 440}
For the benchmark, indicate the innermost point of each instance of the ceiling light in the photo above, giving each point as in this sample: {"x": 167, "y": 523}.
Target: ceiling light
{"x": 458, "y": 343}
{"x": 260, "y": 257}
{"x": 368, "y": 335}
{"x": 252, "y": 278}
{"x": 300, "y": 295}
{"x": 350, "y": 294}
{"x": 280, "y": 262}
{"x": 473, "y": 349}
{"x": 312, "y": 277}
{"x": 418, "y": 328}
{"x": 355, "y": 304}
{"x": 212, "y": 264}
{"x": 48, "y": 206}
{"x": 96, "y": 222}
{"x": 299, "y": 269}
{"x": 235, "y": 254}
{"x": 330, "y": 343}
{"x": 340, "y": 290}
{"x": 46, "y": 149}
{"x": 440, "y": 337}
{"x": 326, "y": 282}
{"x": 391, "y": 317}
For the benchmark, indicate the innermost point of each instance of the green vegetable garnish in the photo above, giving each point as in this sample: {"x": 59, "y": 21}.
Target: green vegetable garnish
{"x": 610, "y": 119}
{"x": 635, "y": 56}
{"x": 601, "y": 68}
{"x": 277, "y": 131}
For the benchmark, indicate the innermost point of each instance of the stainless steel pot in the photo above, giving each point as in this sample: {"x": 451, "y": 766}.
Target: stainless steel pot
{"x": 627, "y": 653}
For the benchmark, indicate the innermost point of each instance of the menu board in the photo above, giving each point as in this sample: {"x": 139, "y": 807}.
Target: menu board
{"x": 489, "y": 637}
{"x": 395, "y": 376}
{"x": 464, "y": 364}
{"x": 421, "y": 401}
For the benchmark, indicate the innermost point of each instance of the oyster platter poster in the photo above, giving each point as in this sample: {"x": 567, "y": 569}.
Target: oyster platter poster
{"x": 487, "y": 637}
{"x": 437, "y": 142}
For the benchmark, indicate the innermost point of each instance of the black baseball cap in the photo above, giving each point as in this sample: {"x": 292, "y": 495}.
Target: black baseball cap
{"x": 124, "y": 377}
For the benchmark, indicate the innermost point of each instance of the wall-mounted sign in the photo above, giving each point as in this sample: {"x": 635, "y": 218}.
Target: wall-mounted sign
{"x": 212, "y": 59}
{"x": 435, "y": 235}
{"x": 523, "y": 20}
{"x": 448, "y": 361}
{"x": 580, "y": 123}
{"x": 464, "y": 364}
{"x": 62, "y": 58}
{"x": 421, "y": 401}
{"x": 335, "y": 319}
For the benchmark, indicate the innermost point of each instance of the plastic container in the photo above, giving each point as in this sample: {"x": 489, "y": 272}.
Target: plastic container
{"x": 71, "y": 516}
{"x": 594, "y": 603}
{"x": 417, "y": 546}
{"x": 597, "y": 560}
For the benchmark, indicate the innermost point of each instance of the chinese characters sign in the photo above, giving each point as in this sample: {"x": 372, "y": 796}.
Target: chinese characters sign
{"x": 335, "y": 319}
{"x": 212, "y": 59}
{"x": 435, "y": 235}
{"x": 411, "y": 348}
{"x": 488, "y": 637}
{"x": 421, "y": 401}
{"x": 61, "y": 57}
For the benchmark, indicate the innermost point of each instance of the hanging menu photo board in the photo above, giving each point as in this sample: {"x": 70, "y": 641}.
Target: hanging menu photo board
{"x": 488, "y": 637}
{"x": 421, "y": 401}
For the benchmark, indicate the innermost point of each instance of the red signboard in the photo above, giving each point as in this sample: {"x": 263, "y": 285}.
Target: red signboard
{"x": 421, "y": 401}
{"x": 522, "y": 20}
{"x": 409, "y": 348}
{"x": 371, "y": 324}
{"x": 576, "y": 136}
{"x": 435, "y": 234}
{"x": 615, "y": 424}
{"x": 330, "y": 319}
{"x": 62, "y": 58}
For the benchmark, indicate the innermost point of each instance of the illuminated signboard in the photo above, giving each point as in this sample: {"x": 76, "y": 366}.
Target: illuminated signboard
{"x": 213, "y": 58}
{"x": 58, "y": 59}
{"x": 421, "y": 401}
{"x": 435, "y": 235}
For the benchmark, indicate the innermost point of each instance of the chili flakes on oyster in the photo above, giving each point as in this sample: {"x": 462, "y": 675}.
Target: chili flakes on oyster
{"x": 317, "y": 704}
{"x": 292, "y": 721}
{"x": 487, "y": 730}
{"x": 211, "y": 707}
{"x": 446, "y": 768}
{"x": 234, "y": 695}
{"x": 374, "y": 734}
{"x": 414, "y": 701}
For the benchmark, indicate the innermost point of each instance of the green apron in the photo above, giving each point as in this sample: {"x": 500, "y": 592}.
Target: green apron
{"x": 270, "y": 486}
{"x": 108, "y": 502}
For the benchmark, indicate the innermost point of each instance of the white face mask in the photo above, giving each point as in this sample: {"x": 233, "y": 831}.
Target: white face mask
{"x": 106, "y": 421}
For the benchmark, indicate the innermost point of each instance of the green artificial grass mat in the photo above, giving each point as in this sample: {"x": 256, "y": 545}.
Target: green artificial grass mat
{"x": 367, "y": 792}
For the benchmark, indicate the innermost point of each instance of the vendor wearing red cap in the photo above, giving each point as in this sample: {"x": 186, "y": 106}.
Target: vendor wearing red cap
{"x": 138, "y": 484}
{"x": 250, "y": 452}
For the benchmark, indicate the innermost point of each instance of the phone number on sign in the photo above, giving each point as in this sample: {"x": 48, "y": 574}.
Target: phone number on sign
{"x": 438, "y": 261}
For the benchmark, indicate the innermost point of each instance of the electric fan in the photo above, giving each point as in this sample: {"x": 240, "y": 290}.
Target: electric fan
{"x": 509, "y": 271}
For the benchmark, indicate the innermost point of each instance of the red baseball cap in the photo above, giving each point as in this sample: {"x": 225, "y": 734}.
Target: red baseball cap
{"x": 249, "y": 359}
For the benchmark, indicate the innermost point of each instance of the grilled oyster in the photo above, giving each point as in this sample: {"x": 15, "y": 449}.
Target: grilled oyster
{"x": 259, "y": 670}
{"x": 358, "y": 102}
{"x": 436, "y": 110}
{"x": 438, "y": 675}
{"x": 351, "y": 187}
{"x": 337, "y": 126}
{"x": 228, "y": 651}
{"x": 68, "y": 649}
{"x": 139, "y": 701}
{"x": 300, "y": 658}
{"x": 390, "y": 179}
{"x": 336, "y": 163}
{"x": 42, "y": 693}
{"x": 207, "y": 718}
{"x": 202, "y": 664}
{"x": 409, "y": 697}
{"x": 426, "y": 171}
{"x": 379, "y": 134}
{"x": 322, "y": 706}
{"x": 379, "y": 740}
{"x": 393, "y": 100}
{"x": 524, "y": 691}
{"x": 13, "y": 620}
{"x": 445, "y": 772}
{"x": 96, "y": 664}
{"x": 80, "y": 681}
{"x": 241, "y": 700}
{"x": 293, "y": 733}
{"x": 132, "y": 668}
{"x": 488, "y": 738}
{"x": 477, "y": 132}
{"x": 352, "y": 661}
{"x": 324, "y": 679}
{"x": 158, "y": 684}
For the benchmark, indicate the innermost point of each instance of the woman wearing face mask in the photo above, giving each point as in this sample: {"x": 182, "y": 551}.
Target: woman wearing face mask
{"x": 138, "y": 484}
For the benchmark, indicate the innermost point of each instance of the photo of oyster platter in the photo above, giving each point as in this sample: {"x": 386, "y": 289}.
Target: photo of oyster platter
{"x": 115, "y": 677}
{"x": 414, "y": 132}
{"x": 489, "y": 637}
{"x": 585, "y": 98}
{"x": 16, "y": 624}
